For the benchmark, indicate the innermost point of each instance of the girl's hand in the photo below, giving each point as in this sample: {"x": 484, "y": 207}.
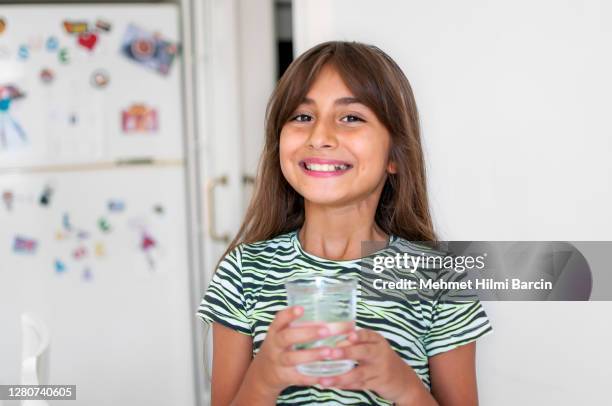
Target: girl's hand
{"x": 380, "y": 369}
{"x": 275, "y": 362}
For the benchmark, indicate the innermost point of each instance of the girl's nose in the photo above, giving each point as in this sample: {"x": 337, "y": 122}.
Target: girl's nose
{"x": 322, "y": 136}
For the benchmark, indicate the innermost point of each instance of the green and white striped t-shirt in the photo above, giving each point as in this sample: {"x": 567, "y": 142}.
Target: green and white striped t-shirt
{"x": 248, "y": 289}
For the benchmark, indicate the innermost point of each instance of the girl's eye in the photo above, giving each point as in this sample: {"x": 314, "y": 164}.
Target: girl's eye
{"x": 301, "y": 118}
{"x": 353, "y": 118}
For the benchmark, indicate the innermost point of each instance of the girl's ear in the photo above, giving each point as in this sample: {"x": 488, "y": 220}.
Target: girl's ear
{"x": 392, "y": 168}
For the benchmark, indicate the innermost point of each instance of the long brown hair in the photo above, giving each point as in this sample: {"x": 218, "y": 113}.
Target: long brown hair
{"x": 373, "y": 77}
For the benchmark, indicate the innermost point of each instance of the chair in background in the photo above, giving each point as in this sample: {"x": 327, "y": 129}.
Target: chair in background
{"x": 34, "y": 355}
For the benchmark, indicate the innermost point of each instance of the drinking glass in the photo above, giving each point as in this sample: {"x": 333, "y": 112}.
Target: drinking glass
{"x": 328, "y": 300}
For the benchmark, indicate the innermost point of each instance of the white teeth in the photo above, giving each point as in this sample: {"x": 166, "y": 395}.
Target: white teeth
{"x": 326, "y": 167}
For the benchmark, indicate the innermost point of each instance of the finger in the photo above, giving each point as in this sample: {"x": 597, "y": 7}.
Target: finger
{"x": 303, "y": 334}
{"x": 365, "y": 335}
{"x": 304, "y": 380}
{"x": 343, "y": 343}
{"x": 352, "y": 386}
{"x": 284, "y": 317}
{"x": 341, "y": 327}
{"x": 296, "y": 357}
{"x": 353, "y": 377}
{"x": 363, "y": 352}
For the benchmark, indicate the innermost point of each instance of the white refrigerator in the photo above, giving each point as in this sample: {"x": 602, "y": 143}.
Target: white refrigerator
{"x": 93, "y": 200}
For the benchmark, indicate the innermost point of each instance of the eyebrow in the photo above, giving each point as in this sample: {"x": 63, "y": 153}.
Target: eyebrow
{"x": 341, "y": 101}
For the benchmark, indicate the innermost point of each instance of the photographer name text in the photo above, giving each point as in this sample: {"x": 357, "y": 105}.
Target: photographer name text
{"x": 487, "y": 284}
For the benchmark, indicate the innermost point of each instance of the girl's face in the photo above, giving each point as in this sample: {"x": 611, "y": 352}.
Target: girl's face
{"x": 333, "y": 149}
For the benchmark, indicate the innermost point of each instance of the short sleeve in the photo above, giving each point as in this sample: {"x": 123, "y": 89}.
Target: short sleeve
{"x": 223, "y": 302}
{"x": 454, "y": 324}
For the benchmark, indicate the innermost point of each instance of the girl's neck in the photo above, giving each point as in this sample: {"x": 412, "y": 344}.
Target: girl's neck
{"x": 337, "y": 233}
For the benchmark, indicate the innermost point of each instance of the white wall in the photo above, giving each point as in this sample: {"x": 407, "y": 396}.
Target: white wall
{"x": 514, "y": 106}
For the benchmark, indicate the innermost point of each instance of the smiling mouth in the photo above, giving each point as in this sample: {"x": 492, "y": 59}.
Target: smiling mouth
{"x": 325, "y": 168}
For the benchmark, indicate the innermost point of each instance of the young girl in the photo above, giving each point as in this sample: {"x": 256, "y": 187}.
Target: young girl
{"x": 342, "y": 164}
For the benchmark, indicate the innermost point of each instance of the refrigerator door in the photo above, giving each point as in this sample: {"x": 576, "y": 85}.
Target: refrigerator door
{"x": 85, "y": 84}
{"x": 96, "y": 250}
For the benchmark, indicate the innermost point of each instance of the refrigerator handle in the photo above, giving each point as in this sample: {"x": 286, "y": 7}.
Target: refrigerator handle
{"x": 210, "y": 196}
{"x": 248, "y": 179}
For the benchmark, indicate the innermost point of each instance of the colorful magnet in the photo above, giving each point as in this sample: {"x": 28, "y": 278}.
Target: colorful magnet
{"x": 100, "y": 79}
{"x": 59, "y": 266}
{"x": 2, "y": 25}
{"x": 59, "y": 235}
{"x": 139, "y": 118}
{"x": 8, "y": 198}
{"x": 75, "y": 27}
{"x": 159, "y": 209}
{"x": 24, "y": 245}
{"x": 9, "y": 127}
{"x": 73, "y": 119}
{"x": 100, "y": 250}
{"x": 66, "y": 222}
{"x": 79, "y": 253}
{"x": 63, "y": 55}
{"x": 104, "y": 225}
{"x": 82, "y": 235}
{"x": 147, "y": 242}
{"x": 148, "y": 49}
{"x": 87, "y": 274}
{"x": 88, "y": 40}
{"x": 23, "y": 52}
{"x": 46, "y": 75}
{"x": 103, "y": 25}
{"x": 116, "y": 205}
{"x": 35, "y": 42}
{"x": 45, "y": 197}
{"x": 52, "y": 44}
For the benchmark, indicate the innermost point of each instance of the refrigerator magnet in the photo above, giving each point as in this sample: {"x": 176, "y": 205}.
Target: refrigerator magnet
{"x": 148, "y": 49}
{"x": 59, "y": 266}
{"x": 2, "y": 25}
{"x": 52, "y": 44}
{"x": 99, "y": 79}
{"x": 116, "y": 205}
{"x": 10, "y": 129}
{"x": 103, "y": 25}
{"x": 23, "y": 52}
{"x": 104, "y": 225}
{"x": 75, "y": 27}
{"x": 8, "y": 198}
{"x": 88, "y": 40}
{"x": 79, "y": 253}
{"x": 35, "y": 42}
{"x": 147, "y": 242}
{"x": 159, "y": 209}
{"x": 63, "y": 55}
{"x": 47, "y": 76}
{"x": 66, "y": 222}
{"x": 24, "y": 245}
{"x": 45, "y": 196}
{"x": 139, "y": 118}
{"x": 87, "y": 274}
{"x": 100, "y": 250}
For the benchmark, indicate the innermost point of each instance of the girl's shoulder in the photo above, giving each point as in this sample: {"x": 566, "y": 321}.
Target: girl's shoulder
{"x": 265, "y": 248}
{"x": 285, "y": 239}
